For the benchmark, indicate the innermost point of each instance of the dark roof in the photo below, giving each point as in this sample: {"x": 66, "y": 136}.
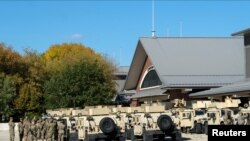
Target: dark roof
{"x": 242, "y": 32}
{"x": 239, "y": 87}
{"x": 190, "y": 62}
{"x": 122, "y": 70}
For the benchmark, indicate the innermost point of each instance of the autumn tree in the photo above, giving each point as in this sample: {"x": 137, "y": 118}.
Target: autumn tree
{"x": 66, "y": 75}
{"x": 87, "y": 80}
{"x": 10, "y": 61}
{"x": 21, "y": 81}
{"x": 30, "y": 98}
{"x": 12, "y": 69}
{"x": 60, "y": 56}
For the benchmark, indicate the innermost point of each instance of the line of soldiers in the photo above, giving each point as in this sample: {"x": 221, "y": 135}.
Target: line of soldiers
{"x": 41, "y": 130}
{"x": 241, "y": 119}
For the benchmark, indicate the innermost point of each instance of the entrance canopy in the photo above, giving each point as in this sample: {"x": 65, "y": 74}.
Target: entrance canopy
{"x": 242, "y": 87}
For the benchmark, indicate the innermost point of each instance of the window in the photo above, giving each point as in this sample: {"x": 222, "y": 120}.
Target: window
{"x": 183, "y": 114}
{"x": 151, "y": 79}
{"x": 247, "y": 39}
{"x": 199, "y": 112}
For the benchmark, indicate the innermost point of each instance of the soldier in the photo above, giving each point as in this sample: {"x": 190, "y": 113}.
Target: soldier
{"x": 12, "y": 129}
{"x": 248, "y": 118}
{"x": 38, "y": 129}
{"x": 55, "y": 133}
{"x": 47, "y": 132}
{"x": 61, "y": 130}
{"x": 43, "y": 129}
{"x": 32, "y": 133}
{"x": 230, "y": 118}
{"x": 50, "y": 131}
{"x": 26, "y": 129}
{"x": 227, "y": 118}
{"x": 241, "y": 119}
{"x": 20, "y": 129}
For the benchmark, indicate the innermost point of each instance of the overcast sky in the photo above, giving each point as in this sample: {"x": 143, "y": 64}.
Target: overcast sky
{"x": 114, "y": 27}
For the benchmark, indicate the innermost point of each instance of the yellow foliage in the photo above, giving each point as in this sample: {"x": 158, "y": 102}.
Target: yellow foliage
{"x": 59, "y": 56}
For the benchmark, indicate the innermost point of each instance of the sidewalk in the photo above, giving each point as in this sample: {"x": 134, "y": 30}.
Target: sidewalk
{"x": 4, "y": 135}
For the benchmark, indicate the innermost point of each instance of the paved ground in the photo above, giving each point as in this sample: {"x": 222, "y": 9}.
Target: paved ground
{"x": 4, "y": 136}
{"x": 194, "y": 137}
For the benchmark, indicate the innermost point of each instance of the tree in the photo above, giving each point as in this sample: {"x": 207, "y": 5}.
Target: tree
{"x": 21, "y": 81}
{"x": 59, "y": 56}
{"x": 12, "y": 70}
{"x": 8, "y": 92}
{"x": 10, "y": 61}
{"x": 30, "y": 98}
{"x": 85, "y": 83}
{"x": 66, "y": 75}
{"x": 35, "y": 65}
{"x": 78, "y": 76}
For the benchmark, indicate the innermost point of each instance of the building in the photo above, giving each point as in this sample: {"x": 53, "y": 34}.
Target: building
{"x": 170, "y": 68}
{"x": 120, "y": 77}
{"x": 239, "y": 89}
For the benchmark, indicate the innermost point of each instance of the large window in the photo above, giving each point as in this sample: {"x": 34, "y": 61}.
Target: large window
{"x": 151, "y": 79}
{"x": 247, "y": 40}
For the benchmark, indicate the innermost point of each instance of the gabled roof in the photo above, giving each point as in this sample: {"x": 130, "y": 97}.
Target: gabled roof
{"x": 239, "y": 87}
{"x": 190, "y": 62}
{"x": 242, "y": 32}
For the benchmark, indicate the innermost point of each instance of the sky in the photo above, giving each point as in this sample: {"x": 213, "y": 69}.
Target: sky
{"x": 113, "y": 27}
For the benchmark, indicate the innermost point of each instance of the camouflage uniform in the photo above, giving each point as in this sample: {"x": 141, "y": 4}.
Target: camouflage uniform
{"x": 38, "y": 129}
{"x": 43, "y": 129}
{"x": 55, "y": 133}
{"x": 51, "y": 130}
{"x": 241, "y": 119}
{"x": 227, "y": 119}
{"x": 61, "y": 131}
{"x": 248, "y": 119}
{"x": 26, "y": 129}
{"x": 47, "y": 126}
{"x": 12, "y": 129}
{"x": 20, "y": 129}
{"x": 32, "y": 133}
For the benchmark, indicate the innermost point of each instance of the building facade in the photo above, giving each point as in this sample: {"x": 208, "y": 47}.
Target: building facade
{"x": 239, "y": 89}
{"x": 169, "y": 68}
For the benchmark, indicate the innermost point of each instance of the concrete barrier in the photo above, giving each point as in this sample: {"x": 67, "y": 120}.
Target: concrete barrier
{"x": 5, "y": 126}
